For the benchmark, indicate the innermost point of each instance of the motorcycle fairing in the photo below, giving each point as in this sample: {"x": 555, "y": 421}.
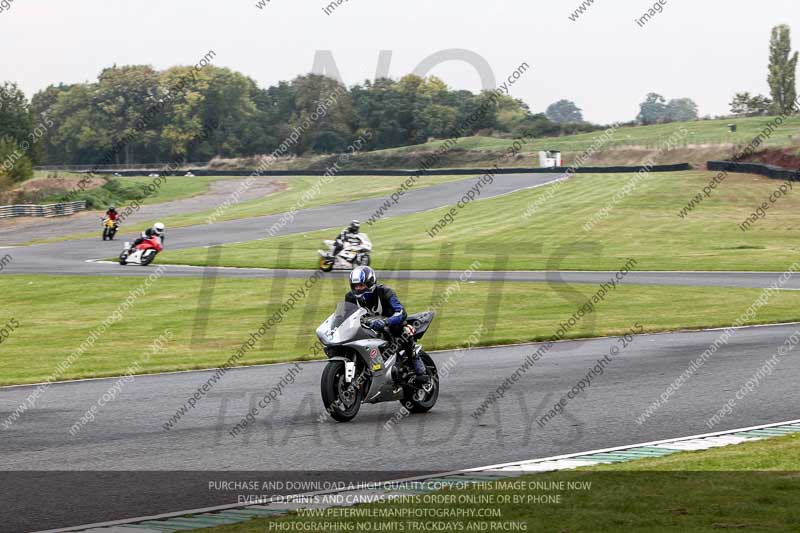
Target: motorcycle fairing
{"x": 420, "y": 322}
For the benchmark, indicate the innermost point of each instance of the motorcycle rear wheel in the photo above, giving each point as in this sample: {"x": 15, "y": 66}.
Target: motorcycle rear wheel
{"x": 338, "y": 396}
{"x": 422, "y": 399}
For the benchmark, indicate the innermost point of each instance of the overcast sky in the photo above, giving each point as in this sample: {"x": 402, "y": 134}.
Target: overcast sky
{"x": 605, "y": 62}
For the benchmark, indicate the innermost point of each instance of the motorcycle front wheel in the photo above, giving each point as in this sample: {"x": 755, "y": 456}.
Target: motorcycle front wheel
{"x": 341, "y": 400}
{"x": 147, "y": 257}
{"x": 325, "y": 265}
{"x": 421, "y": 399}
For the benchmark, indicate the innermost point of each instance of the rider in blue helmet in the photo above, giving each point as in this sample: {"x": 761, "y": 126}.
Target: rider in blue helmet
{"x": 380, "y": 300}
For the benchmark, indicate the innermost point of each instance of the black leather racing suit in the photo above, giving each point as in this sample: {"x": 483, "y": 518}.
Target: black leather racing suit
{"x": 383, "y": 301}
{"x": 345, "y": 236}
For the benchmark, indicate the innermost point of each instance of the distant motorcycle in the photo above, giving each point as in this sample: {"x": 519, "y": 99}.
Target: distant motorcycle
{"x": 143, "y": 254}
{"x": 349, "y": 257}
{"x": 364, "y": 368}
{"x": 110, "y": 228}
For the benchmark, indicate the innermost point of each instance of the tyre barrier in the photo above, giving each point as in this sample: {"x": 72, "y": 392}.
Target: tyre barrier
{"x": 48, "y": 210}
{"x": 432, "y": 172}
{"x": 769, "y": 171}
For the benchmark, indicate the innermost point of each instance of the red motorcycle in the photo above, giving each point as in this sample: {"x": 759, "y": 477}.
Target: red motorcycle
{"x": 142, "y": 254}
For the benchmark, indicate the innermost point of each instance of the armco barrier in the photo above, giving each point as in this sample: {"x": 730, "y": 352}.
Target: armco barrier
{"x": 432, "y": 172}
{"x": 769, "y": 171}
{"x": 150, "y": 167}
{"x": 49, "y": 210}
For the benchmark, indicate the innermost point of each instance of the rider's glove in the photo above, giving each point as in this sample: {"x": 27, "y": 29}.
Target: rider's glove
{"x": 378, "y": 325}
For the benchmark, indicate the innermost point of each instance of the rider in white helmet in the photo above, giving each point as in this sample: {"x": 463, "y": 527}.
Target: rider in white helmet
{"x": 348, "y": 235}
{"x": 156, "y": 231}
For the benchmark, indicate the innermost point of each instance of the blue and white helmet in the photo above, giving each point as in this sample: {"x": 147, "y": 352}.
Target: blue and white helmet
{"x": 363, "y": 275}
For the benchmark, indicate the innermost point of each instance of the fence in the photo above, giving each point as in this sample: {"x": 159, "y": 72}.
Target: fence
{"x": 49, "y": 210}
{"x": 133, "y": 166}
{"x": 431, "y": 172}
{"x": 769, "y": 171}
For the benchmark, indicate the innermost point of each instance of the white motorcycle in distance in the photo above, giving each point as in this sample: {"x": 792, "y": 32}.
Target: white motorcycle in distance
{"x": 349, "y": 257}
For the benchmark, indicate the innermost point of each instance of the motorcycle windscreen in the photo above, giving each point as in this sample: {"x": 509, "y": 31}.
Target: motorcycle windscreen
{"x": 346, "y": 323}
{"x": 344, "y": 310}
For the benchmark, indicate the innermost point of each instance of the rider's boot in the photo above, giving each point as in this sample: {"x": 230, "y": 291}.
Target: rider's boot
{"x": 421, "y": 374}
{"x": 337, "y": 247}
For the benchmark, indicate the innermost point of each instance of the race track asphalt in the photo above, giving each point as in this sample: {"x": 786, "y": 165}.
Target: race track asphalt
{"x": 129, "y": 435}
{"x": 107, "y": 460}
{"x": 69, "y": 257}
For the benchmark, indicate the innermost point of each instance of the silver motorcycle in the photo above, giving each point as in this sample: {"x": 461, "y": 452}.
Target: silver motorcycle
{"x": 366, "y": 366}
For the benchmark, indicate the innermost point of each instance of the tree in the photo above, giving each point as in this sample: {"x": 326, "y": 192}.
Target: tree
{"x": 537, "y": 125}
{"x": 325, "y": 106}
{"x": 478, "y": 113}
{"x": 15, "y": 117}
{"x": 411, "y": 101}
{"x": 123, "y": 96}
{"x": 564, "y": 112}
{"x": 782, "y": 71}
{"x": 437, "y": 120}
{"x": 680, "y": 110}
{"x": 274, "y": 107}
{"x": 78, "y": 136}
{"x": 511, "y": 112}
{"x": 653, "y": 110}
{"x": 377, "y": 106}
{"x": 42, "y": 104}
{"x": 215, "y": 114}
{"x": 747, "y": 105}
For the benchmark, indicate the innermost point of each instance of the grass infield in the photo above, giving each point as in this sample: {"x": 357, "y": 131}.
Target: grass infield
{"x": 56, "y": 314}
{"x": 643, "y": 224}
{"x": 700, "y": 132}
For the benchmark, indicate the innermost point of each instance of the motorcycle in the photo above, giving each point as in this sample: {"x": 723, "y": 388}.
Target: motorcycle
{"x": 364, "y": 367}
{"x": 143, "y": 254}
{"x": 349, "y": 257}
{"x": 110, "y": 228}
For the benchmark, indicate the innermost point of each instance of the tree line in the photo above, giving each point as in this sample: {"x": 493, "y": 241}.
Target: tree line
{"x": 136, "y": 114}
{"x": 220, "y": 112}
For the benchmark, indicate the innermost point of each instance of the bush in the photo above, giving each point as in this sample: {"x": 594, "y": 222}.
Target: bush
{"x": 113, "y": 192}
{"x": 15, "y": 165}
{"x": 538, "y": 126}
